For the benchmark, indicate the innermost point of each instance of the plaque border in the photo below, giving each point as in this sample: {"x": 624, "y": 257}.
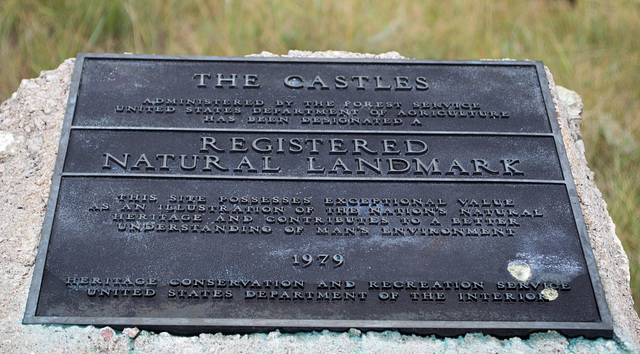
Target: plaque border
{"x": 604, "y": 328}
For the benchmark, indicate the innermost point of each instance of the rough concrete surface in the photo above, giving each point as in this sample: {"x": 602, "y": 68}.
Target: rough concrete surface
{"x": 30, "y": 124}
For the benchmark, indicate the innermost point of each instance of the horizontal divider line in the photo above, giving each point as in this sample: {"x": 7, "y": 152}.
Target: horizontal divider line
{"x": 316, "y": 178}
{"x": 301, "y": 131}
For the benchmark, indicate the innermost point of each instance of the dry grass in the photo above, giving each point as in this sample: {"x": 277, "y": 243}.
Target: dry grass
{"x": 592, "y": 48}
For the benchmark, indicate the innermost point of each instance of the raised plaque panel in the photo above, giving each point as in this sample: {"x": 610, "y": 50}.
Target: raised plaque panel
{"x": 425, "y": 197}
{"x": 481, "y": 91}
{"x": 293, "y": 154}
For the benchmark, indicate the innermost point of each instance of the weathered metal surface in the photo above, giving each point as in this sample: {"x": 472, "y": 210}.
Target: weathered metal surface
{"x": 233, "y": 194}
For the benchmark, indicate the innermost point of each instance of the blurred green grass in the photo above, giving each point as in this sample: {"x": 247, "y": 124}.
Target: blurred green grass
{"x": 591, "y": 46}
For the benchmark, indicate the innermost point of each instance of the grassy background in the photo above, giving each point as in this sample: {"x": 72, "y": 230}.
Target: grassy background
{"x": 591, "y": 46}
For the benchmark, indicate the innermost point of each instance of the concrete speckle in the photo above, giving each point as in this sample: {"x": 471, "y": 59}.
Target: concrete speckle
{"x": 33, "y": 117}
{"x": 131, "y": 332}
{"x": 6, "y": 141}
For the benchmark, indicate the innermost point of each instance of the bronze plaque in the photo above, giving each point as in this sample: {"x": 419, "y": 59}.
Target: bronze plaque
{"x": 208, "y": 194}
